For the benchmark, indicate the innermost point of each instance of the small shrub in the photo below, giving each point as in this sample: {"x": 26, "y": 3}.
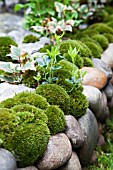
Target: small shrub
{"x": 5, "y": 43}
{"x": 35, "y": 112}
{"x": 31, "y": 98}
{"x": 30, "y": 39}
{"x": 55, "y": 95}
{"x": 56, "y": 119}
{"x": 102, "y": 40}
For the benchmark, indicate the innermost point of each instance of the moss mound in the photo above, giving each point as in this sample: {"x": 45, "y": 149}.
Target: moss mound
{"x": 66, "y": 65}
{"x": 94, "y": 49}
{"x": 89, "y": 32}
{"x": 78, "y": 103}
{"x": 26, "y": 141}
{"x": 8, "y": 103}
{"x": 102, "y": 28}
{"x": 56, "y": 119}
{"x": 36, "y": 113}
{"x": 55, "y": 95}
{"x": 31, "y": 98}
{"x": 88, "y": 62}
{"x": 30, "y": 39}
{"x": 102, "y": 40}
{"x": 109, "y": 37}
{"x": 83, "y": 50}
{"x": 110, "y": 24}
{"x": 5, "y": 43}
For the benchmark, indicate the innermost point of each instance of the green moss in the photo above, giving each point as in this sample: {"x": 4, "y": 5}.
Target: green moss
{"x": 63, "y": 74}
{"x": 8, "y": 103}
{"x": 94, "y": 49}
{"x": 88, "y": 62}
{"x": 27, "y": 141}
{"x": 102, "y": 28}
{"x": 78, "y": 103}
{"x": 109, "y": 9}
{"x": 93, "y": 41}
{"x": 56, "y": 119}
{"x": 83, "y": 50}
{"x": 78, "y": 60}
{"x": 80, "y": 34}
{"x": 89, "y": 32}
{"x": 55, "y": 95}
{"x": 5, "y": 43}
{"x": 66, "y": 65}
{"x": 31, "y": 98}
{"x": 102, "y": 40}
{"x": 30, "y": 39}
{"x": 35, "y": 112}
{"x": 43, "y": 50}
{"x": 110, "y": 18}
{"x": 109, "y": 37}
{"x": 110, "y": 24}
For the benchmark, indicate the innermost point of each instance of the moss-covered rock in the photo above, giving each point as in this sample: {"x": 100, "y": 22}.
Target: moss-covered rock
{"x": 31, "y": 98}
{"x": 55, "y": 95}
{"x": 56, "y": 119}
{"x": 26, "y": 141}
{"x": 109, "y": 37}
{"x": 102, "y": 40}
{"x": 5, "y": 43}
{"x": 89, "y": 32}
{"x": 94, "y": 49}
{"x": 102, "y": 28}
{"x": 30, "y": 39}
{"x": 35, "y": 112}
{"x": 80, "y": 34}
{"x": 83, "y": 50}
{"x": 63, "y": 74}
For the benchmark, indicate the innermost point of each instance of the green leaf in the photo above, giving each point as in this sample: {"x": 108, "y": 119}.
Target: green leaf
{"x": 7, "y": 78}
{"x": 56, "y": 68}
{"x": 77, "y": 22}
{"x": 17, "y": 7}
{"x": 28, "y": 66}
{"x": 43, "y": 61}
{"x": 15, "y": 53}
{"x": 59, "y": 7}
{"x": 6, "y": 67}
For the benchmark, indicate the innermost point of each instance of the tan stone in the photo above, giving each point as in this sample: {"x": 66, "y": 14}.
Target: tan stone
{"x": 94, "y": 77}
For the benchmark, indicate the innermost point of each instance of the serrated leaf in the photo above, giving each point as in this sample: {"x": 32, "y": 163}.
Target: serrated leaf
{"x": 15, "y": 53}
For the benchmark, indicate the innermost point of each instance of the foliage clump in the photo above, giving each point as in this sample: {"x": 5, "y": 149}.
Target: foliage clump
{"x": 8, "y": 103}
{"x": 5, "y": 43}
{"x": 55, "y": 95}
{"x": 26, "y": 140}
{"x": 56, "y": 119}
{"x": 46, "y": 47}
{"x": 110, "y": 24}
{"x": 31, "y": 98}
{"x": 30, "y": 39}
{"x": 35, "y": 112}
{"x": 102, "y": 40}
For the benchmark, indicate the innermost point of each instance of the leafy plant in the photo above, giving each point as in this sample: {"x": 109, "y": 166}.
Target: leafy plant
{"x": 77, "y": 75}
{"x": 12, "y": 72}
